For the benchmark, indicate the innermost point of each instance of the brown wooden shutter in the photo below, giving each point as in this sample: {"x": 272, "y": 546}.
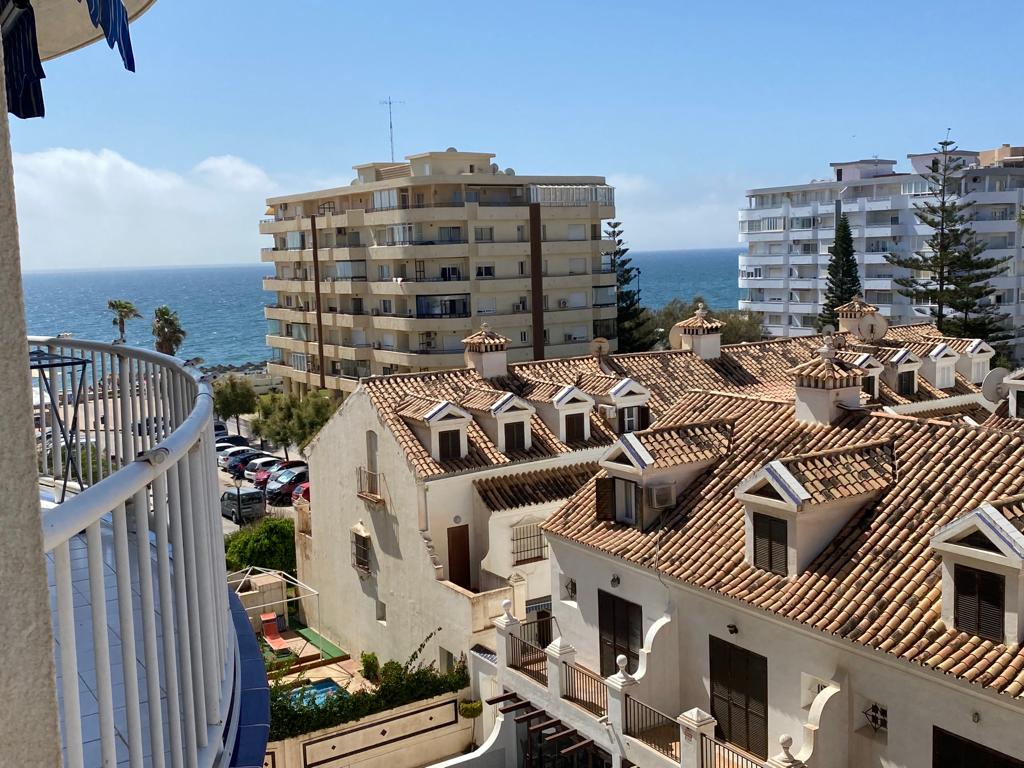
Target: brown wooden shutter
{"x": 604, "y": 498}
{"x": 965, "y": 605}
{"x": 644, "y": 417}
{"x": 991, "y": 600}
{"x": 778, "y": 545}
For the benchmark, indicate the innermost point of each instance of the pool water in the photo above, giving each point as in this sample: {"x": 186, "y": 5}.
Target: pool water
{"x": 317, "y": 693}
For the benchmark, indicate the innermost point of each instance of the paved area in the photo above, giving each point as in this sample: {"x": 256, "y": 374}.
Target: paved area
{"x": 226, "y": 483}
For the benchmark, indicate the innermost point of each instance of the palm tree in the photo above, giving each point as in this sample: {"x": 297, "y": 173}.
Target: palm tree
{"x": 123, "y": 310}
{"x": 167, "y": 330}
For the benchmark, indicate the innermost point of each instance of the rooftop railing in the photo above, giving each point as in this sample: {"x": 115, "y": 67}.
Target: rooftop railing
{"x": 142, "y": 620}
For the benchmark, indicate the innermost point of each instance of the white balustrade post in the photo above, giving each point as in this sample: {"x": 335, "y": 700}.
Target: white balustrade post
{"x": 785, "y": 759}
{"x": 505, "y": 625}
{"x": 559, "y": 653}
{"x": 619, "y": 686}
{"x": 694, "y": 725}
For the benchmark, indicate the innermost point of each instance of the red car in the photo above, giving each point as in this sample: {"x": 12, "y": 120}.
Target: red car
{"x": 264, "y": 474}
{"x": 301, "y": 492}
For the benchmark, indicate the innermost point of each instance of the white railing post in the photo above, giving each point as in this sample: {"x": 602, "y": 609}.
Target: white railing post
{"x": 785, "y": 759}
{"x": 505, "y": 625}
{"x": 694, "y": 726}
{"x": 619, "y": 685}
{"x": 559, "y": 653}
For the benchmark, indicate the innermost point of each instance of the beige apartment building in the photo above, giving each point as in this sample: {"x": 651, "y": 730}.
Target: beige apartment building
{"x": 410, "y": 257}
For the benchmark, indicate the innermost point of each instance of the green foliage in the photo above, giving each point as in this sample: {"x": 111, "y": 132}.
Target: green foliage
{"x": 471, "y": 709}
{"x": 123, "y": 311}
{"x": 843, "y": 281}
{"x": 233, "y": 396}
{"x": 634, "y": 323}
{"x": 370, "y": 666}
{"x": 167, "y": 330}
{"x": 312, "y": 413}
{"x": 285, "y": 420}
{"x": 270, "y": 543}
{"x": 399, "y": 684}
{"x": 740, "y": 326}
{"x": 950, "y": 271}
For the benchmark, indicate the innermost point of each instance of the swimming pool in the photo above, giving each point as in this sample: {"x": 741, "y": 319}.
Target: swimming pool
{"x": 317, "y": 692}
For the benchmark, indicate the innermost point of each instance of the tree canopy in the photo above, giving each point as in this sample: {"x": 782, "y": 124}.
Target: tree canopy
{"x": 233, "y": 396}
{"x": 843, "y": 280}
{"x": 286, "y": 420}
{"x": 270, "y": 543}
{"x": 740, "y": 325}
{"x": 123, "y": 311}
{"x": 167, "y": 330}
{"x": 634, "y": 323}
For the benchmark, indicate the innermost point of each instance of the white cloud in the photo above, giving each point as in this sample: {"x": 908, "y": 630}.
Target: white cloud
{"x": 98, "y": 209}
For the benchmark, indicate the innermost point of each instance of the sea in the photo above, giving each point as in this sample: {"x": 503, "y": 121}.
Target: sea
{"x": 221, "y": 307}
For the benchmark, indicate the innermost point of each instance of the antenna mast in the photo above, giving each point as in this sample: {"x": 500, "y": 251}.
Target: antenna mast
{"x": 389, "y": 103}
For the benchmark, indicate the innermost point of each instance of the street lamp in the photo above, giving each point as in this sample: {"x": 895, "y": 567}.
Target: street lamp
{"x": 238, "y": 500}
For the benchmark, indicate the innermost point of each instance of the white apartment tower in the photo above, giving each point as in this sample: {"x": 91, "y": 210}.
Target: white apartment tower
{"x": 411, "y": 256}
{"x": 788, "y": 231}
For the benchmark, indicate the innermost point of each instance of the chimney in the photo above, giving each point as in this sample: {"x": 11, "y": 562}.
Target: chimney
{"x": 826, "y": 386}
{"x": 850, "y": 314}
{"x": 700, "y": 334}
{"x": 487, "y": 352}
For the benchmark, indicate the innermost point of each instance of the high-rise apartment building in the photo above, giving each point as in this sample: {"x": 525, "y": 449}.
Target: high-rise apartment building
{"x": 789, "y": 229}
{"x": 411, "y": 256}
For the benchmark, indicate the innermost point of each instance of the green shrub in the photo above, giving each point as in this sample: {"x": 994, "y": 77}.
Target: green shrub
{"x": 270, "y": 543}
{"x": 470, "y": 709}
{"x": 371, "y": 666}
{"x": 398, "y": 685}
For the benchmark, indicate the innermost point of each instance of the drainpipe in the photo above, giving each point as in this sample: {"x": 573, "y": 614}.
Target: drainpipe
{"x": 316, "y": 293}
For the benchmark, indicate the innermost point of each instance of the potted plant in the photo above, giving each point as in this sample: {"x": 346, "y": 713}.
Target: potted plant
{"x": 471, "y": 709}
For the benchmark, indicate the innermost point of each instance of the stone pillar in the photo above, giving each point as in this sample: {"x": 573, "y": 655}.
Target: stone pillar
{"x": 694, "y": 725}
{"x": 559, "y": 653}
{"x": 785, "y": 759}
{"x": 619, "y": 686}
{"x": 518, "y": 583}
{"x": 505, "y": 625}
{"x": 29, "y": 731}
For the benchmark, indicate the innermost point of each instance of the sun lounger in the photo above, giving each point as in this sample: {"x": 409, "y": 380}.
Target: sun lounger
{"x": 270, "y": 633}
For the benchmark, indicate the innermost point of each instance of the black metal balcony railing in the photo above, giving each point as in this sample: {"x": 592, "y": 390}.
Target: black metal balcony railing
{"x": 436, "y": 241}
{"x": 368, "y": 484}
{"x": 528, "y": 658}
{"x": 655, "y": 729}
{"x": 587, "y": 689}
{"x": 715, "y": 754}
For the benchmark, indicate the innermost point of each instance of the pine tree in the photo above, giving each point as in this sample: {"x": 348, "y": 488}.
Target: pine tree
{"x": 950, "y": 266}
{"x": 974, "y": 313}
{"x": 635, "y": 325}
{"x": 843, "y": 281}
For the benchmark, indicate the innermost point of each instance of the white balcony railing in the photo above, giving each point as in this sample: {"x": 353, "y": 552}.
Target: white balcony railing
{"x": 142, "y": 621}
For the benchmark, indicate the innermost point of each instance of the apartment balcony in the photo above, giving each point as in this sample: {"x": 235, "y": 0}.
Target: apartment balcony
{"x": 422, "y": 286}
{"x": 289, "y": 314}
{"x": 803, "y": 283}
{"x": 288, "y": 285}
{"x": 156, "y": 659}
{"x": 292, "y": 345}
{"x": 421, "y": 249}
{"x": 419, "y": 356}
{"x": 777, "y": 283}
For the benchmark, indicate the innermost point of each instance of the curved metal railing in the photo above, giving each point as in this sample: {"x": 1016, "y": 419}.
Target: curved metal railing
{"x": 143, "y": 536}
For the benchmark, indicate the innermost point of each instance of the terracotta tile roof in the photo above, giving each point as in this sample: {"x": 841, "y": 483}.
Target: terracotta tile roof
{"x": 1002, "y": 420}
{"x": 840, "y": 473}
{"x": 827, "y": 373}
{"x": 700, "y": 322}
{"x": 857, "y": 307}
{"x": 482, "y": 399}
{"x": 956, "y": 414}
{"x": 1012, "y": 509}
{"x": 541, "y": 486}
{"x": 877, "y": 583}
{"x": 676, "y": 444}
{"x": 418, "y": 407}
{"x": 485, "y": 340}
{"x": 761, "y": 366}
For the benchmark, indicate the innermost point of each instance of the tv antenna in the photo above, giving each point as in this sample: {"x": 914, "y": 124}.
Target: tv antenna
{"x": 389, "y": 103}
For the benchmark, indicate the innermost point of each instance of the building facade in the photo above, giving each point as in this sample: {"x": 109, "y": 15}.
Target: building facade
{"x": 789, "y": 229}
{"x": 410, "y": 256}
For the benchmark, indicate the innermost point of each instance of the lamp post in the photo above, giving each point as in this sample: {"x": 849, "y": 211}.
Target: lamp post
{"x": 238, "y": 500}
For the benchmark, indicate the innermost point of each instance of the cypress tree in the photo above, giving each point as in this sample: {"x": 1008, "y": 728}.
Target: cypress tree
{"x": 843, "y": 282}
{"x": 635, "y": 325}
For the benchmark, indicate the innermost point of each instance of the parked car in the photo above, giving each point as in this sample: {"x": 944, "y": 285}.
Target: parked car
{"x": 301, "y": 492}
{"x": 279, "y": 491}
{"x": 223, "y": 456}
{"x": 266, "y": 473}
{"x": 235, "y": 465}
{"x": 242, "y": 504}
{"x": 257, "y": 464}
{"x": 234, "y": 440}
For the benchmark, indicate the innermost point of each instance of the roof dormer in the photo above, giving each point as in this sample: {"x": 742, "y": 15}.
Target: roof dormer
{"x": 440, "y": 425}
{"x": 826, "y": 385}
{"x": 700, "y": 334}
{"x": 623, "y": 405}
{"x": 851, "y": 312}
{"x": 504, "y": 417}
{"x": 796, "y": 505}
{"x": 870, "y": 368}
{"x": 649, "y": 469}
{"x": 900, "y": 367}
{"x": 975, "y": 358}
{"x": 938, "y": 362}
{"x": 1015, "y": 393}
{"x": 982, "y": 555}
{"x": 565, "y": 408}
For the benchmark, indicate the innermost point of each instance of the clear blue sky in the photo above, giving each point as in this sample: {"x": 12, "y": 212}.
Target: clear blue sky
{"x": 681, "y": 105}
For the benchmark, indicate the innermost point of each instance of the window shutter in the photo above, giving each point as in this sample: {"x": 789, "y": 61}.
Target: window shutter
{"x": 762, "y": 543}
{"x": 643, "y": 417}
{"x": 965, "y": 606}
{"x": 605, "y": 498}
{"x": 991, "y": 594}
{"x": 620, "y": 420}
{"x": 778, "y": 544}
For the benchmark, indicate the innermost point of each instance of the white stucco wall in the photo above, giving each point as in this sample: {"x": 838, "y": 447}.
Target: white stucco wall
{"x": 917, "y": 699}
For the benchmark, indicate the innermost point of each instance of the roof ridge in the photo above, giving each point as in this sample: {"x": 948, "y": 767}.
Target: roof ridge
{"x": 845, "y": 449}
{"x": 720, "y": 421}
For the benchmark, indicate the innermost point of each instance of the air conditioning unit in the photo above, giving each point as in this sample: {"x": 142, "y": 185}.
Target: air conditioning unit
{"x": 376, "y": 345}
{"x": 661, "y": 496}
{"x": 563, "y": 303}
{"x": 518, "y": 307}
{"x": 609, "y": 413}
{"x": 374, "y": 311}
{"x": 430, "y": 334}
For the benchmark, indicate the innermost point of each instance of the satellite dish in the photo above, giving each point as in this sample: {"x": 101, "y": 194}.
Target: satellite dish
{"x": 993, "y": 388}
{"x": 599, "y": 347}
{"x": 451, "y": 149}
{"x": 872, "y": 328}
{"x": 510, "y": 172}
{"x": 828, "y": 330}
{"x": 675, "y": 338}
{"x": 494, "y": 167}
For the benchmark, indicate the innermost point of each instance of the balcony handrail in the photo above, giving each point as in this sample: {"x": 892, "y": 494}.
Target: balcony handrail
{"x": 653, "y": 727}
{"x": 586, "y": 688}
{"x": 714, "y": 753}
